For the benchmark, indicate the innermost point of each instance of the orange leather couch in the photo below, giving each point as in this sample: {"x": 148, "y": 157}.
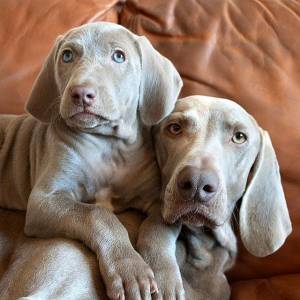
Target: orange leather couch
{"x": 245, "y": 50}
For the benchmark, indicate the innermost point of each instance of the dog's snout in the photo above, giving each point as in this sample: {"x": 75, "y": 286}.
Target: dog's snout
{"x": 198, "y": 184}
{"x": 208, "y": 185}
{"x": 82, "y": 95}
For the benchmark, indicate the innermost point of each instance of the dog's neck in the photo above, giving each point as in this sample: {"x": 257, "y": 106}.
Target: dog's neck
{"x": 128, "y": 168}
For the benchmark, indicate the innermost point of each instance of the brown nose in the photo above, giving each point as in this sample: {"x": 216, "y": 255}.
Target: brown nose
{"x": 82, "y": 95}
{"x": 198, "y": 184}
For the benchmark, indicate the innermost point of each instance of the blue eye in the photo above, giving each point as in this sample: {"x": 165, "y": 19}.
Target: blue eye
{"x": 118, "y": 56}
{"x": 67, "y": 56}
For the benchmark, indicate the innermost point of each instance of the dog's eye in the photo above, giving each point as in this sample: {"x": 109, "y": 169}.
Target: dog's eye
{"x": 174, "y": 128}
{"x": 118, "y": 56}
{"x": 239, "y": 138}
{"x": 67, "y": 56}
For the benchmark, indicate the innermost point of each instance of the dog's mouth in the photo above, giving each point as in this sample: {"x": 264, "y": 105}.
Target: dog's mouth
{"x": 86, "y": 114}
{"x": 88, "y": 119}
{"x": 190, "y": 216}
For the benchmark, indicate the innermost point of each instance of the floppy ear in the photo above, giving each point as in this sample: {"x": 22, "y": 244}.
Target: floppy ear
{"x": 264, "y": 217}
{"x": 160, "y": 84}
{"x": 44, "y": 93}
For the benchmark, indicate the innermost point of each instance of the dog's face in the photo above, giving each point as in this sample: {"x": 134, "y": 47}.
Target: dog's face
{"x": 206, "y": 149}
{"x": 97, "y": 72}
{"x": 99, "y": 77}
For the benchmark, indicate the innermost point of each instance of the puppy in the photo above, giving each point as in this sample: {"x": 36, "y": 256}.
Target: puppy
{"x": 91, "y": 107}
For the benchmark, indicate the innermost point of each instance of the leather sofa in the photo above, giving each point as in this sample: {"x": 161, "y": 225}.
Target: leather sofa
{"x": 239, "y": 49}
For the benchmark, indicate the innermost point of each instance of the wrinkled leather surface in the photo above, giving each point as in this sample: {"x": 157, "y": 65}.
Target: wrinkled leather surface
{"x": 275, "y": 288}
{"x": 240, "y": 49}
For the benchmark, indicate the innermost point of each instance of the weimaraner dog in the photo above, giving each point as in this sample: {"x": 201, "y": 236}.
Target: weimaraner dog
{"x": 211, "y": 153}
{"x": 91, "y": 107}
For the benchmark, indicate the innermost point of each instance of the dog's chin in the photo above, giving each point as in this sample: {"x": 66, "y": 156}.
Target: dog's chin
{"x": 197, "y": 219}
{"x": 192, "y": 219}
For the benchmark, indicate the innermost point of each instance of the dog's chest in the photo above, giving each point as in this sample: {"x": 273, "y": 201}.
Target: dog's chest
{"x": 131, "y": 181}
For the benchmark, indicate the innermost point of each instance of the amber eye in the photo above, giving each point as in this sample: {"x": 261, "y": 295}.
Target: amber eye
{"x": 67, "y": 56}
{"x": 174, "y": 128}
{"x": 239, "y": 138}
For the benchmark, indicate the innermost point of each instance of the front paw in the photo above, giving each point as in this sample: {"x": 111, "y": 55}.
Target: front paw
{"x": 129, "y": 278}
{"x": 168, "y": 278}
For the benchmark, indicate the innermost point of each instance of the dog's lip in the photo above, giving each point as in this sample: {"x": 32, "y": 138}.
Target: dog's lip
{"x": 88, "y": 113}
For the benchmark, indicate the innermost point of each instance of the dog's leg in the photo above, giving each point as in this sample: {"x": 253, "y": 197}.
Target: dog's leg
{"x": 53, "y": 213}
{"x": 157, "y": 244}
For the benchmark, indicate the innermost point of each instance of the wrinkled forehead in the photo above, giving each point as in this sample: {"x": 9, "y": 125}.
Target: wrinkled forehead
{"x": 100, "y": 36}
{"x": 215, "y": 112}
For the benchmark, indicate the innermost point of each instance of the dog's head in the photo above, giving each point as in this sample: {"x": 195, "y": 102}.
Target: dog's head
{"x": 101, "y": 78}
{"x": 212, "y": 153}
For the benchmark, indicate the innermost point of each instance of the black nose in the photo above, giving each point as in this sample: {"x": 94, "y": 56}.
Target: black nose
{"x": 82, "y": 95}
{"x": 198, "y": 184}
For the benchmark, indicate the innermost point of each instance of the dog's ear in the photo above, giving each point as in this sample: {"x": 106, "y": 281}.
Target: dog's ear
{"x": 264, "y": 217}
{"x": 41, "y": 103}
{"x": 160, "y": 84}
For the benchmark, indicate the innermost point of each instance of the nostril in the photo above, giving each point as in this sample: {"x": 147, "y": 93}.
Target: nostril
{"x": 186, "y": 185}
{"x": 90, "y": 95}
{"x": 208, "y": 188}
{"x": 75, "y": 95}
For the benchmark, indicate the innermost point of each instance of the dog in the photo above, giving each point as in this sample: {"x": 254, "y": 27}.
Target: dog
{"x": 212, "y": 154}
{"x": 91, "y": 107}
